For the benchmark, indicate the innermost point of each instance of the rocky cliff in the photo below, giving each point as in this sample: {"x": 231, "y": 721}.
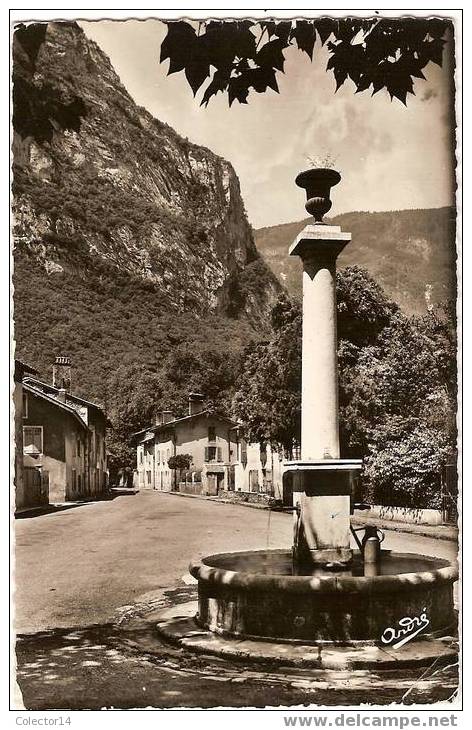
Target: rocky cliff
{"x": 99, "y": 184}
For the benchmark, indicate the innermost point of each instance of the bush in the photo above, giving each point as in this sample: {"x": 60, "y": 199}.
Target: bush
{"x": 180, "y": 461}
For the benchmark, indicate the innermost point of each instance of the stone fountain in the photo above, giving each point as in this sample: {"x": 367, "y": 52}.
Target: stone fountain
{"x": 321, "y": 602}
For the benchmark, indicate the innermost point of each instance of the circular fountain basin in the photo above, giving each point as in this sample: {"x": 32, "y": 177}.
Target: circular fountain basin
{"x": 261, "y": 595}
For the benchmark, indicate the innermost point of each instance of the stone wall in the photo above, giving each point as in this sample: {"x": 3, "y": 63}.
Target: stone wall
{"x": 253, "y": 497}
{"x": 411, "y": 515}
{"x": 190, "y": 488}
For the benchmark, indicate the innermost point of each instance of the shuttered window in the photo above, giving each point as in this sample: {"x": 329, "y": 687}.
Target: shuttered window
{"x": 33, "y": 439}
{"x": 213, "y": 453}
{"x": 243, "y": 447}
{"x": 210, "y": 453}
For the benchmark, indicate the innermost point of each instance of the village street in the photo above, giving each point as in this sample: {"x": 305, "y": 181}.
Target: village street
{"x": 88, "y": 567}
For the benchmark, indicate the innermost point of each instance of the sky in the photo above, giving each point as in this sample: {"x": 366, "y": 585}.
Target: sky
{"x": 391, "y": 157}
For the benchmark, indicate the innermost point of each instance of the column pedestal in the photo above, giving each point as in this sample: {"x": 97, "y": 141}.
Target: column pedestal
{"x": 322, "y": 497}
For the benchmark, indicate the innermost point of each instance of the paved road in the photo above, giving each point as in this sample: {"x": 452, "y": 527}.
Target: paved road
{"x": 79, "y": 566}
{"x": 76, "y": 569}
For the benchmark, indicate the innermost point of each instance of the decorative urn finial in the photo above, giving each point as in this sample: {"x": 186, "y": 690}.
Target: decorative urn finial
{"x": 317, "y": 183}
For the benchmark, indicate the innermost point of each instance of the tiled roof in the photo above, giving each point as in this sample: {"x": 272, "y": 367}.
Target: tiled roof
{"x": 51, "y": 390}
{"x": 21, "y": 368}
{"x": 30, "y": 387}
{"x": 178, "y": 421}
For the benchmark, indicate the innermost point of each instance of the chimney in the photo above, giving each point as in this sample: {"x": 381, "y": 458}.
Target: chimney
{"x": 61, "y": 372}
{"x": 62, "y": 395}
{"x": 167, "y": 416}
{"x": 158, "y": 418}
{"x": 195, "y": 403}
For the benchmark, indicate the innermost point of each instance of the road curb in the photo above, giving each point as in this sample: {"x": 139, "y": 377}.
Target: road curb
{"x": 439, "y": 532}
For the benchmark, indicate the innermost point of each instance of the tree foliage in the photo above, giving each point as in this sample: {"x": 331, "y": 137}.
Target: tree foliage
{"x": 180, "y": 461}
{"x": 397, "y": 389}
{"x": 268, "y": 396}
{"x": 239, "y": 55}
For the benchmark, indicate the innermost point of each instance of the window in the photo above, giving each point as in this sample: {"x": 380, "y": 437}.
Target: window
{"x": 33, "y": 439}
{"x": 25, "y": 404}
{"x": 78, "y": 447}
{"x": 141, "y": 456}
{"x": 211, "y": 433}
{"x": 74, "y": 480}
{"x": 148, "y": 474}
{"x": 213, "y": 453}
{"x": 168, "y": 454}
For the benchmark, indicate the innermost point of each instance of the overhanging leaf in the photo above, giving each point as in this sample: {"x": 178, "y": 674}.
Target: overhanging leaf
{"x": 196, "y": 73}
{"x": 178, "y": 43}
{"x": 305, "y": 36}
{"x": 271, "y": 54}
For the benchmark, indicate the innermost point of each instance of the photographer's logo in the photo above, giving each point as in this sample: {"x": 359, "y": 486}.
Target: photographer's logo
{"x": 407, "y": 629}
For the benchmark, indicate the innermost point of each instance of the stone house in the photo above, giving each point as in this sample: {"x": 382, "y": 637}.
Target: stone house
{"x": 222, "y": 461}
{"x": 29, "y": 489}
{"x": 64, "y": 439}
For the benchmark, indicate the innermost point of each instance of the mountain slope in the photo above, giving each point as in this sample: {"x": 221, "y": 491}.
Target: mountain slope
{"x": 411, "y": 253}
{"x": 121, "y": 226}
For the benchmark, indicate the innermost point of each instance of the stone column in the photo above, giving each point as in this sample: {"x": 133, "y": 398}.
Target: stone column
{"x": 318, "y": 246}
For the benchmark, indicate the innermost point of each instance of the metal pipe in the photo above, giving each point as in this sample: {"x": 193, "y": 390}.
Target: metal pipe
{"x": 372, "y": 550}
{"x": 354, "y": 533}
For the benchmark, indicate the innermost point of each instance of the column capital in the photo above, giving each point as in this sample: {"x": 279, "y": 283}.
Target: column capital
{"x": 319, "y": 241}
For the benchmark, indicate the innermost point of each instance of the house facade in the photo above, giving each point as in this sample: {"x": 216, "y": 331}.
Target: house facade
{"x": 221, "y": 460}
{"x": 63, "y": 439}
{"x": 258, "y": 468}
{"x": 30, "y": 488}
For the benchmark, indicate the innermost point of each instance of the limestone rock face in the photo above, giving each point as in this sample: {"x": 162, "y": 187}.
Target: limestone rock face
{"x": 98, "y": 179}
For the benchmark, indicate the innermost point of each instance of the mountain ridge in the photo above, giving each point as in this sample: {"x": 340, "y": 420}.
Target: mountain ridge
{"x": 411, "y": 252}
